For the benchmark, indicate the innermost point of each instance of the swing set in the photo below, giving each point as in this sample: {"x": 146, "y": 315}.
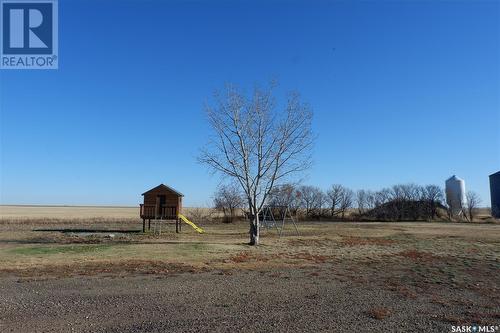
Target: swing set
{"x": 275, "y": 217}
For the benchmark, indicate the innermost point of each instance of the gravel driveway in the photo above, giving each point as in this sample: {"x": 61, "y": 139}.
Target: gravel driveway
{"x": 243, "y": 301}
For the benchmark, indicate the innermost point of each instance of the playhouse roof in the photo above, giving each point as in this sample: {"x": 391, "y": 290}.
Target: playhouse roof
{"x": 166, "y": 188}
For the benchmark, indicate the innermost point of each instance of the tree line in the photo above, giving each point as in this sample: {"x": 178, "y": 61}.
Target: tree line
{"x": 400, "y": 202}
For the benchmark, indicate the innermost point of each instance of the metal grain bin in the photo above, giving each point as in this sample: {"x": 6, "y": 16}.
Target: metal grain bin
{"x": 455, "y": 194}
{"x": 495, "y": 194}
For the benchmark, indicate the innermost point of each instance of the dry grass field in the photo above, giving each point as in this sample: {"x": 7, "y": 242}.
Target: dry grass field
{"x": 93, "y": 270}
{"x": 66, "y": 212}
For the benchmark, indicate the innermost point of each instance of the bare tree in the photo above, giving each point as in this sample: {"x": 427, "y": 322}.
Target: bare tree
{"x": 228, "y": 198}
{"x": 346, "y": 201}
{"x": 472, "y": 202}
{"x": 319, "y": 202}
{"x": 366, "y": 200}
{"x": 334, "y": 195}
{"x": 383, "y": 196}
{"x": 311, "y": 198}
{"x": 199, "y": 214}
{"x": 371, "y": 200}
{"x": 257, "y": 145}
{"x": 433, "y": 196}
{"x": 405, "y": 192}
{"x": 402, "y": 194}
{"x": 361, "y": 200}
{"x": 284, "y": 196}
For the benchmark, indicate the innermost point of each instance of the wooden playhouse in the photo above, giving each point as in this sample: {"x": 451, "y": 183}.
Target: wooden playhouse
{"x": 161, "y": 203}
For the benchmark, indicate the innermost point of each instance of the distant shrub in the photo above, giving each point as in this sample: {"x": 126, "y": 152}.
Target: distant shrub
{"x": 406, "y": 210}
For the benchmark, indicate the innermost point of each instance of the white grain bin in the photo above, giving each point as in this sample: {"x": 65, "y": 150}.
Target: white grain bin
{"x": 455, "y": 194}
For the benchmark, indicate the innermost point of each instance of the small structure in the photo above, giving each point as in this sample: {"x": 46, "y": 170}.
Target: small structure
{"x": 455, "y": 194}
{"x": 161, "y": 203}
{"x": 495, "y": 194}
{"x": 267, "y": 218}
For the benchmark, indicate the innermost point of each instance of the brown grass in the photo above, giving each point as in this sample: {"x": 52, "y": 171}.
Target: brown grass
{"x": 358, "y": 241}
{"x": 240, "y": 257}
{"x": 442, "y": 264}
{"x": 23, "y": 212}
{"x": 456, "y": 256}
{"x": 379, "y": 313}
{"x": 43, "y": 221}
{"x": 438, "y": 300}
{"x": 310, "y": 242}
{"x": 104, "y": 267}
{"x": 316, "y": 258}
{"x": 418, "y": 255}
{"x": 247, "y": 257}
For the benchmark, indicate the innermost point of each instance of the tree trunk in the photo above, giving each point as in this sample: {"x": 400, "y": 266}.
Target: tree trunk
{"x": 254, "y": 230}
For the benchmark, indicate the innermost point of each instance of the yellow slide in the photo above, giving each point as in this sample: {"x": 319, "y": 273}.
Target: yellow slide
{"x": 200, "y": 230}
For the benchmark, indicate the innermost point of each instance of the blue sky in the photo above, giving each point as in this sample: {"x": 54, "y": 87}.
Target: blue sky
{"x": 402, "y": 92}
